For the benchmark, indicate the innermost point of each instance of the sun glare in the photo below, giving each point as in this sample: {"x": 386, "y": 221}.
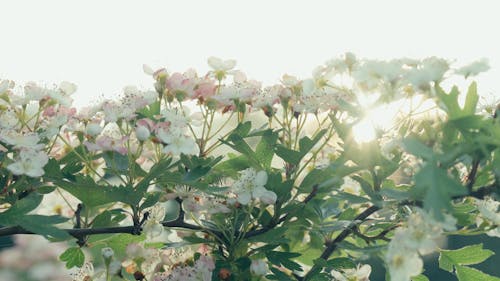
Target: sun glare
{"x": 364, "y": 131}
{"x": 384, "y": 117}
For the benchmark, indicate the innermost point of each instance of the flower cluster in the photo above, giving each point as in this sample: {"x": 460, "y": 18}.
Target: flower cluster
{"x": 489, "y": 210}
{"x": 201, "y": 270}
{"x": 215, "y": 175}
{"x": 30, "y": 118}
{"x": 419, "y": 237}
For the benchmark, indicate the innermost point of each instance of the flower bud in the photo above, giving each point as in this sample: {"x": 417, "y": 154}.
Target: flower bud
{"x": 93, "y": 129}
{"x": 107, "y": 253}
{"x": 142, "y": 133}
{"x": 259, "y": 267}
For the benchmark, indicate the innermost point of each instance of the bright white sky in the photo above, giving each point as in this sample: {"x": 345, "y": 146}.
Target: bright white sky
{"x": 101, "y": 45}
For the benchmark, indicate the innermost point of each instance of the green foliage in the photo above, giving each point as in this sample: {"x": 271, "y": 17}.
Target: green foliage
{"x": 465, "y": 273}
{"x": 468, "y": 255}
{"x": 73, "y": 257}
{"x": 436, "y": 188}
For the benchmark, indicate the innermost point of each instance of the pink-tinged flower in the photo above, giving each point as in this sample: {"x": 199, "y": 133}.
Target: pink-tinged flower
{"x": 88, "y": 112}
{"x": 134, "y": 99}
{"x": 113, "y": 111}
{"x": 178, "y": 83}
{"x": 242, "y": 92}
{"x": 30, "y": 163}
{"x": 49, "y": 111}
{"x": 205, "y": 89}
{"x": 107, "y": 143}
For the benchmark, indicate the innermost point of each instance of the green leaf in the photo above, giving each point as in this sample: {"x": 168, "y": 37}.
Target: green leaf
{"x": 73, "y": 257}
{"x": 89, "y": 192}
{"x": 53, "y": 169}
{"x": 102, "y": 220}
{"x": 471, "y": 100}
{"x": 243, "y": 129}
{"x": 43, "y": 225}
{"x": 151, "y": 199}
{"x": 436, "y": 188}
{"x": 119, "y": 242}
{"x": 415, "y": 147}
{"x": 284, "y": 259}
{"x": 158, "y": 169}
{"x": 116, "y": 162}
{"x": 420, "y": 277}
{"x": 278, "y": 275}
{"x": 468, "y": 255}
{"x": 45, "y": 189}
{"x": 150, "y": 111}
{"x": 282, "y": 189}
{"x": 237, "y": 143}
{"x": 305, "y": 145}
{"x": 196, "y": 173}
{"x": 265, "y": 148}
{"x": 341, "y": 263}
{"x": 20, "y": 208}
{"x": 288, "y": 155}
{"x": 273, "y": 236}
{"x": 465, "y": 273}
{"x": 449, "y": 102}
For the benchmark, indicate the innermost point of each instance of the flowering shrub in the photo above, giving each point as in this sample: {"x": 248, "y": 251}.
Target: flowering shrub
{"x": 215, "y": 177}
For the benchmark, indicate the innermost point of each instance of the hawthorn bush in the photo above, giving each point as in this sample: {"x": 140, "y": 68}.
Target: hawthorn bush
{"x": 215, "y": 177}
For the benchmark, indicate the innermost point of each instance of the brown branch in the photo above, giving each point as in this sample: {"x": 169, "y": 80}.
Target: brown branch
{"x": 332, "y": 245}
{"x": 369, "y": 239}
{"x": 471, "y": 177}
{"x": 274, "y": 223}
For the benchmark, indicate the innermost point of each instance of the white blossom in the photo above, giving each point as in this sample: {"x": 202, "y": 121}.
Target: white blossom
{"x": 153, "y": 226}
{"x": 403, "y": 264}
{"x": 474, "y": 68}
{"x": 30, "y": 163}
{"x": 218, "y": 64}
{"x": 360, "y": 273}
{"x": 250, "y": 186}
{"x": 20, "y": 140}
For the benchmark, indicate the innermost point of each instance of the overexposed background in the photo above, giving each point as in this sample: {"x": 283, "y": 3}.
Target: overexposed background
{"x": 101, "y": 45}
